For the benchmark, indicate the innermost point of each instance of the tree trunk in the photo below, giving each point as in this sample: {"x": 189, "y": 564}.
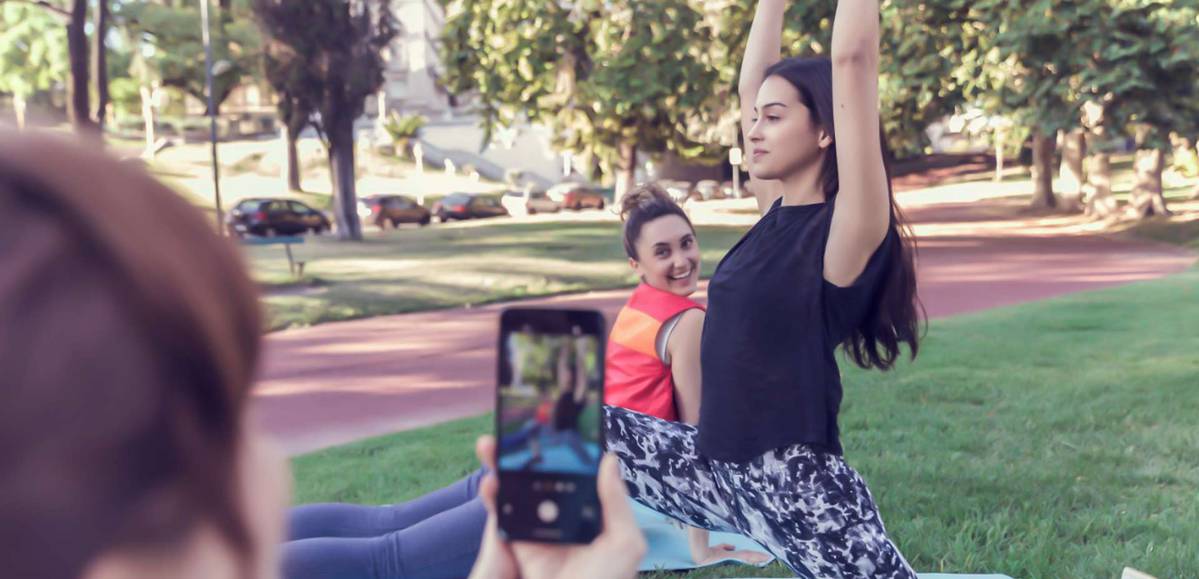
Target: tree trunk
{"x": 1000, "y": 143}
{"x": 291, "y": 160}
{"x": 1043, "y": 147}
{"x": 148, "y": 120}
{"x": 1195, "y": 193}
{"x": 78, "y": 109}
{"x": 628, "y": 171}
{"x": 341, "y": 163}
{"x": 1099, "y": 200}
{"x": 18, "y": 105}
{"x": 1097, "y": 193}
{"x": 1074, "y": 150}
{"x": 101, "y": 62}
{"x": 1147, "y": 197}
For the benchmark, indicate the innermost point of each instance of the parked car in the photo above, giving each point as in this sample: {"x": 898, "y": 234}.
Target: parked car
{"x": 577, "y": 196}
{"x": 271, "y": 217}
{"x": 467, "y": 206}
{"x": 529, "y": 203}
{"x": 709, "y": 189}
{"x": 384, "y": 210}
{"x": 680, "y": 191}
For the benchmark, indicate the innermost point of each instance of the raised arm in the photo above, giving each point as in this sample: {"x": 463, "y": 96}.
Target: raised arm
{"x": 862, "y": 214}
{"x": 761, "y": 50}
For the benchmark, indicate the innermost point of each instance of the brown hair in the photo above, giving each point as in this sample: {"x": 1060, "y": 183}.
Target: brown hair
{"x": 641, "y": 205}
{"x": 129, "y": 335}
{"x": 894, "y": 318}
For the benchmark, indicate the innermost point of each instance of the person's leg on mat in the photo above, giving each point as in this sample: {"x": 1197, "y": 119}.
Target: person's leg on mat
{"x": 810, "y": 510}
{"x": 813, "y": 512}
{"x": 663, "y": 472}
{"x": 443, "y": 546}
{"x": 347, "y": 520}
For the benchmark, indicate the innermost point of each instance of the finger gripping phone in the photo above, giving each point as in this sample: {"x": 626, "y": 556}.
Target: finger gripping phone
{"x": 549, "y": 424}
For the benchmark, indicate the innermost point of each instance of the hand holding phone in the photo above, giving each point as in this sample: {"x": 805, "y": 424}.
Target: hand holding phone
{"x": 614, "y": 554}
{"x": 549, "y": 427}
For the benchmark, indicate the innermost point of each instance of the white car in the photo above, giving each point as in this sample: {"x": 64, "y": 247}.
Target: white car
{"x": 529, "y": 203}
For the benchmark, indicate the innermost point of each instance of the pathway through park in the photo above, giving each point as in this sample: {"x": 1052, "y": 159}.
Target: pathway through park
{"x": 340, "y": 382}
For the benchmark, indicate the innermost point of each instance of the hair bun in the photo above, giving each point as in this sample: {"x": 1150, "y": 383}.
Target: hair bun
{"x": 644, "y": 194}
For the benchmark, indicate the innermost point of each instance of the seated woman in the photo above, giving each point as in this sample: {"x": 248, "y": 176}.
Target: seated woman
{"x": 652, "y": 366}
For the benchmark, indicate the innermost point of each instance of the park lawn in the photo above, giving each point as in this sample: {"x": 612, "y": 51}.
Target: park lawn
{"x": 1051, "y": 439}
{"x": 472, "y": 263}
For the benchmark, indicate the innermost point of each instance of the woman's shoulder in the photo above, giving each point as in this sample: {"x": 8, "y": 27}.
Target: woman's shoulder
{"x": 693, "y": 316}
{"x": 685, "y": 332}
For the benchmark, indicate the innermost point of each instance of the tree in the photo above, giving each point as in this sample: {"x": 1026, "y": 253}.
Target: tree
{"x": 74, "y": 16}
{"x": 142, "y": 82}
{"x": 1145, "y": 79}
{"x": 341, "y": 44}
{"x": 78, "y": 96}
{"x": 100, "y": 69}
{"x": 611, "y": 78}
{"x": 171, "y": 35}
{"x": 1030, "y": 69}
{"x": 922, "y": 48}
{"x": 289, "y": 74}
{"x": 33, "y": 53}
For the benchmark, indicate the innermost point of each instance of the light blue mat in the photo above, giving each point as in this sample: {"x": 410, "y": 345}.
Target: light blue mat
{"x": 668, "y": 548}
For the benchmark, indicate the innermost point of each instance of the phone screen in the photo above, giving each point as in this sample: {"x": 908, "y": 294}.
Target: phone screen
{"x": 549, "y": 423}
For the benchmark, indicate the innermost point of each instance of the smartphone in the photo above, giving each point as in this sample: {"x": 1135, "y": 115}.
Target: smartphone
{"x": 549, "y": 424}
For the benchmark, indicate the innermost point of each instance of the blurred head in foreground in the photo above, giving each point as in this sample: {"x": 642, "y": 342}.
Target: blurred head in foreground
{"x": 129, "y": 337}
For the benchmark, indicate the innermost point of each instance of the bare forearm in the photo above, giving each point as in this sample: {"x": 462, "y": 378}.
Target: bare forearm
{"x": 687, "y": 400}
{"x": 856, "y": 32}
{"x": 764, "y": 46}
{"x": 697, "y": 539}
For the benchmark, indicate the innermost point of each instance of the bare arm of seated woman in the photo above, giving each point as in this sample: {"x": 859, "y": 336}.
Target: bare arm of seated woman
{"x": 683, "y": 348}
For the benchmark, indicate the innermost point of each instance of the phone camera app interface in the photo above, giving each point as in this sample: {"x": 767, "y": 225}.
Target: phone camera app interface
{"x": 550, "y": 403}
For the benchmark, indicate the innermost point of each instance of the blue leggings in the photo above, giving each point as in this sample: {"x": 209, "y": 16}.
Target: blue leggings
{"x": 431, "y": 537}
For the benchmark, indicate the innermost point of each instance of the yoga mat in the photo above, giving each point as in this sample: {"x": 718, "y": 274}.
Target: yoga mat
{"x": 668, "y": 549}
{"x": 667, "y": 543}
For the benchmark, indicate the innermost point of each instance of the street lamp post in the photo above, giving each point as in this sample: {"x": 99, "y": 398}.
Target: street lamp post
{"x": 216, "y": 175}
{"x": 735, "y": 159}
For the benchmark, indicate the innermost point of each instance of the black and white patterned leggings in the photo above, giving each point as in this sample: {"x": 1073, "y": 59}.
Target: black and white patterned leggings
{"x": 809, "y": 509}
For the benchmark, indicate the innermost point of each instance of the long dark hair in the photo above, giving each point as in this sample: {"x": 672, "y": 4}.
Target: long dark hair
{"x": 641, "y": 205}
{"x": 895, "y": 317}
{"x": 129, "y": 335}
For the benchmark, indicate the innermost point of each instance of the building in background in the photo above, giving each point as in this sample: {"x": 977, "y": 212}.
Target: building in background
{"x": 410, "y": 83}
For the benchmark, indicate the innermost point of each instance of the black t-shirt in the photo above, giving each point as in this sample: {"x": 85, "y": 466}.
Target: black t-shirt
{"x": 770, "y": 377}
{"x": 567, "y": 411}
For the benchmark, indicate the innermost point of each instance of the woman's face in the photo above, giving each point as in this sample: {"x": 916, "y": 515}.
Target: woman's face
{"x": 668, "y": 255}
{"x": 784, "y": 138}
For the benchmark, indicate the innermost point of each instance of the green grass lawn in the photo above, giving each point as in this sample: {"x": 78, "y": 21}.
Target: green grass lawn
{"x": 1054, "y": 439}
{"x": 438, "y": 267}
